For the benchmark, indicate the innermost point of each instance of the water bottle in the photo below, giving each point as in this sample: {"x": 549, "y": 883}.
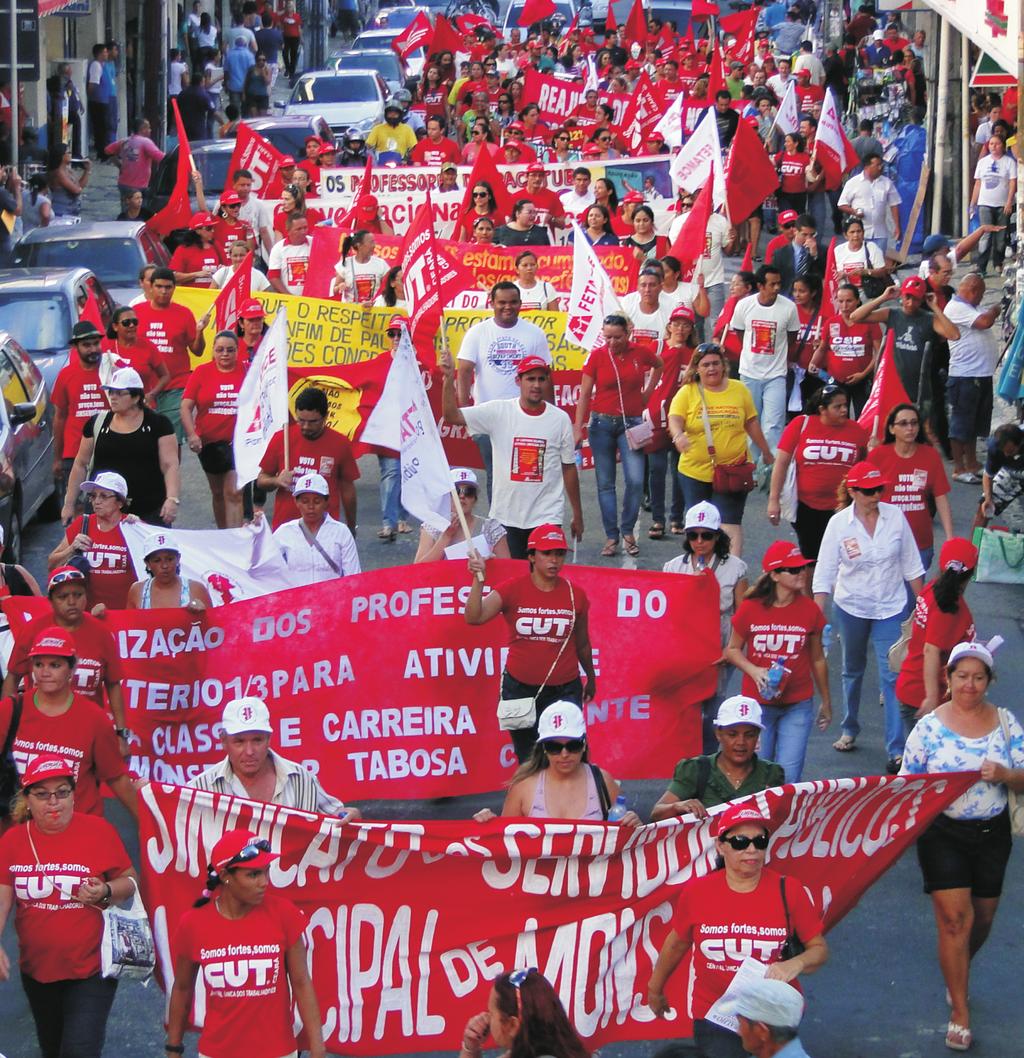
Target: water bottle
{"x": 617, "y": 810}
{"x": 773, "y": 684}
{"x": 578, "y": 456}
{"x": 827, "y": 639}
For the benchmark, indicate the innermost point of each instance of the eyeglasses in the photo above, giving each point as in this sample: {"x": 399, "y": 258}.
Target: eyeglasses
{"x": 574, "y": 745}
{"x": 127, "y": 323}
{"x": 907, "y": 422}
{"x": 517, "y": 132}
{"x": 65, "y": 576}
{"x": 604, "y": 139}
{"x": 693, "y": 534}
{"x": 481, "y": 194}
{"x": 394, "y": 332}
{"x": 62, "y": 793}
{"x": 870, "y": 492}
{"x": 562, "y": 137}
{"x": 739, "y": 842}
{"x": 250, "y": 851}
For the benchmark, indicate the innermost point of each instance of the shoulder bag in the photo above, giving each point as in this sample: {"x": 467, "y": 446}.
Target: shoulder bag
{"x": 10, "y": 782}
{"x": 514, "y": 714}
{"x": 602, "y": 790}
{"x": 1014, "y": 801}
{"x": 788, "y": 494}
{"x": 641, "y": 435}
{"x": 898, "y": 651}
{"x": 725, "y": 477}
{"x": 793, "y": 946}
{"x": 78, "y": 559}
{"x": 316, "y": 543}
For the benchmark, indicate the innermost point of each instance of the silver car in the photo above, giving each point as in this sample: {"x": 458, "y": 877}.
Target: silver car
{"x": 346, "y": 99}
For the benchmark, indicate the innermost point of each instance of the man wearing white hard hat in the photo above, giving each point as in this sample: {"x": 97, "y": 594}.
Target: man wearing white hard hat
{"x": 735, "y": 771}
{"x": 253, "y": 770}
{"x": 316, "y": 547}
{"x": 164, "y": 587}
{"x": 769, "y": 1014}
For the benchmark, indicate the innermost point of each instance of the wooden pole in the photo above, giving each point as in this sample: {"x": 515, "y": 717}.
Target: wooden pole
{"x": 915, "y": 212}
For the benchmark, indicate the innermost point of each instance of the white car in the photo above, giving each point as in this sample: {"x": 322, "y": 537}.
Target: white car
{"x": 345, "y": 98}
{"x": 380, "y": 40}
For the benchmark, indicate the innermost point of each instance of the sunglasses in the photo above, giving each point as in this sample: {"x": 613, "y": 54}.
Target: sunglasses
{"x": 739, "y": 842}
{"x": 517, "y": 132}
{"x": 561, "y": 137}
{"x": 127, "y": 323}
{"x": 481, "y": 194}
{"x": 250, "y": 851}
{"x": 232, "y": 205}
{"x": 64, "y": 577}
{"x": 873, "y": 491}
{"x": 906, "y": 422}
{"x": 692, "y": 534}
{"x": 394, "y": 332}
{"x": 615, "y": 321}
{"x": 574, "y": 745}
{"x": 795, "y": 570}
{"x": 466, "y": 490}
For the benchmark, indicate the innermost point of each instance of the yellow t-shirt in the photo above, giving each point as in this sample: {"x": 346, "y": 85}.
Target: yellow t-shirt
{"x": 383, "y": 137}
{"x": 728, "y": 413}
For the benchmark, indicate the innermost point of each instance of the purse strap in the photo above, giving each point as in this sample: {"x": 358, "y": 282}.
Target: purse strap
{"x": 39, "y": 863}
{"x": 707, "y": 424}
{"x": 565, "y": 642}
{"x": 312, "y": 540}
{"x": 618, "y": 383}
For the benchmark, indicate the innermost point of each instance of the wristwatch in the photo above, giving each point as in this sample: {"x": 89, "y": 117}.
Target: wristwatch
{"x": 124, "y": 732}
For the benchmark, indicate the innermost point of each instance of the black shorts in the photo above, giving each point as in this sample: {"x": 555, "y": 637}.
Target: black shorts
{"x": 966, "y": 854}
{"x": 217, "y": 457}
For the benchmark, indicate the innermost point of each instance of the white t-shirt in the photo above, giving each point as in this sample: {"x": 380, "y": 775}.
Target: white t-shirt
{"x": 766, "y": 330}
{"x": 360, "y": 280}
{"x": 538, "y": 296}
{"x": 975, "y": 352}
{"x": 292, "y": 263}
{"x": 529, "y": 453}
{"x": 713, "y": 267}
{"x": 222, "y": 275}
{"x": 868, "y": 256}
{"x": 995, "y": 175}
{"x": 95, "y": 72}
{"x": 177, "y": 71}
{"x": 574, "y": 204}
{"x": 873, "y": 199}
{"x": 495, "y": 353}
{"x": 683, "y": 294}
{"x": 649, "y": 327}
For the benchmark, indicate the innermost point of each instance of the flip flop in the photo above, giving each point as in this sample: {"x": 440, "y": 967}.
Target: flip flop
{"x": 387, "y": 534}
{"x": 630, "y": 546}
{"x": 656, "y": 531}
{"x": 844, "y": 744}
{"x": 677, "y": 529}
{"x": 404, "y": 527}
{"x": 958, "y": 1037}
{"x": 610, "y": 549}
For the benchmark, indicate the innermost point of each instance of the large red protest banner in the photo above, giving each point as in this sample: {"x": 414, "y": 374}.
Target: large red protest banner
{"x": 408, "y": 922}
{"x": 380, "y": 685}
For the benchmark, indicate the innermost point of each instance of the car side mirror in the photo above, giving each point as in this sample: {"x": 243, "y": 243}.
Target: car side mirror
{"x": 279, "y": 105}
{"x": 20, "y": 413}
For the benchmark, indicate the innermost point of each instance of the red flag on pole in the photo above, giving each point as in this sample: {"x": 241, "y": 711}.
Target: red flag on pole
{"x": 350, "y": 220}
{"x": 536, "y": 11}
{"x": 178, "y": 211}
{"x": 445, "y": 37}
{"x": 636, "y": 24}
{"x": 415, "y": 35}
{"x": 91, "y": 310}
{"x": 742, "y": 26}
{"x": 261, "y": 158}
{"x": 747, "y": 264}
{"x": 886, "y": 391}
{"x": 692, "y": 237}
{"x": 832, "y": 148}
{"x": 750, "y": 175}
{"x": 702, "y": 10}
{"x": 610, "y": 25}
{"x": 485, "y": 170}
{"x": 831, "y": 281}
{"x": 642, "y": 114}
{"x": 716, "y": 74}
{"x": 235, "y": 292}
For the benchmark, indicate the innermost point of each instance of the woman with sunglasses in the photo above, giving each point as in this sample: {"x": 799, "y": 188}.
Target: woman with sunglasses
{"x": 522, "y": 228}
{"x": 240, "y": 910}
{"x": 777, "y": 622}
{"x": 129, "y": 350}
{"x": 536, "y": 293}
{"x": 484, "y": 205}
{"x": 725, "y": 909}
{"x": 598, "y": 230}
{"x": 867, "y": 555}
{"x": 824, "y": 443}
{"x": 561, "y": 148}
{"x": 198, "y": 257}
{"x": 848, "y": 352}
{"x": 505, "y": 111}
{"x": 58, "y": 919}
{"x": 480, "y": 138}
{"x": 489, "y": 536}
{"x": 228, "y": 226}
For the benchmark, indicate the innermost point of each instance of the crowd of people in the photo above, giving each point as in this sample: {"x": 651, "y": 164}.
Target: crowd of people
{"x": 702, "y": 387}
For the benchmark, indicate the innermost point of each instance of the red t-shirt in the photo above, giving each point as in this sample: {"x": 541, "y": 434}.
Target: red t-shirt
{"x": 192, "y": 259}
{"x": 824, "y": 455}
{"x": 848, "y": 346}
{"x": 224, "y": 234}
{"x": 291, "y": 27}
{"x": 97, "y": 659}
{"x": 215, "y": 393}
{"x": 632, "y": 368}
{"x": 112, "y": 573}
{"x": 776, "y": 244}
{"x": 725, "y": 927}
{"x": 548, "y": 204}
{"x": 435, "y": 104}
{"x": 172, "y": 330}
{"x": 807, "y": 335}
{"x": 248, "y": 1001}
{"x": 142, "y": 355}
{"x": 77, "y": 393}
{"x": 772, "y": 632}
{"x": 931, "y": 627}
{"x": 59, "y": 938}
{"x": 538, "y": 623}
{"x": 329, "y": 455}
{"x": 83, "y": 736}
{"x": 914, "y": 480}
{"x": 280, "y": 221}
{"x": 792, "y": 169}
{"x": 668, "y": 91}
{"x": 426, "y": 152}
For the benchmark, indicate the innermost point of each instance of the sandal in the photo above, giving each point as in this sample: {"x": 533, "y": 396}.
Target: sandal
{"x": 656, "y": 531}
{"x": 677, "y": 529}
{"x": 958, "y": 1037}
{"x": 630, "y": 545}
{"x": 404, "y": 527}
{"x": 610, "y": 549}
{"x": 387, "y": 534}
{"x": 844, "y": 744}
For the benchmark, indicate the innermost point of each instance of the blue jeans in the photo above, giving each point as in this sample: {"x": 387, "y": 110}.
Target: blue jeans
{"x": 784, "y": 738}
{"x": 483, "y": 442}
{"x": 391, "y": 509}
{"x": 716, "y": 296}
{"x": 927, "y": 554}
{"x": 658, "y": 464}
{"x": 992, "y": 244}
{"x": 856, "y": 633}
{"x": 770, "y": 403}
{"x": 70, "y": 1015}
{"x": 608, "y": 436}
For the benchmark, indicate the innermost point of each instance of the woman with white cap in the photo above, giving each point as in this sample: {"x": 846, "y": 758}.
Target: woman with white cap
{"x": 489, "y": 536}
{"x": 164, "y": 587}
{"x": 239, "y": 910}
{"x": 716, "y": 916}
{"x": 316, "y": 547}
{"x": 963, "y": 854}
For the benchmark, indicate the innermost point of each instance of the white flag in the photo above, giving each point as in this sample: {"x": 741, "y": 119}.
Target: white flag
{"x": 787, "y": 118}
{"x": 402, "y": 419}
{"x": 700, "y": 160}
{"x": 592, "y": 296}
{"x": 591, "y": 85}
{"x": 670, "y": 124}
{"x": 262, "y": 400}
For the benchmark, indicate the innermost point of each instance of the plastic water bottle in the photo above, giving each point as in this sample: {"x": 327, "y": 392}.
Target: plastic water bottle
{"x": 827, "y": 639}
{"x": 617, "y": 810}
{"x": 773, "y": 684}
{"x": 578, "y": 456}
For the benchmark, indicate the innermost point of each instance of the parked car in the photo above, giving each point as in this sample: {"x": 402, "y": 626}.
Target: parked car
{"x": 39, "y": 306}
{"x": 386, "y": 63}
{"x": 394, "y": 14}
{"x": 381, "y": 40}
{"x": 350, "y": 98}
{"x": 115, "y": 250}
{"x": 27, "y": 485}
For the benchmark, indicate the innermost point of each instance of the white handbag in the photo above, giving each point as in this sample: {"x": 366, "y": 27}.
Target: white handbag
{"x": 1014, "y": 801}
{"x": 788, "y": 493}
{"x": 127, "y": 948}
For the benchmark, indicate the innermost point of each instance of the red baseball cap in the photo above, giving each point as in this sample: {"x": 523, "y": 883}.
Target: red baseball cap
{"x": 398, "y": 321}
{"x": 633, "y": 196}
{"x": 63, "y": 574}
{"x": 633, "y": 65}
{"x": 311, "y": 139}
{"x": 958, "y": 554}
{"x": 241, "y": 848}
{"x": 915, "y": 286}
{"x": 783, "y": 554}
{"x": 251, "y": 310}
{"x": 804, "y": 73}
{"x": 52, "y": 642}
{"x": 737, "y": 814}
{"x": 535, "y": 167}
{"x": 865, "y": 475}
{"x": 287, "y": 162}
{"x": 532, "y": 363}
{"x": 46, "y": 766}
{"x": 328, "y": 148}
{"x": 547, "y": 538}
{"x": 518, "y": 126}
{"x": 511, "y": 145}
{"x": 593, "y": 148}
{"x": 787, "y": 217}
{"x": 230, "y": 198}
{"x": 682, "y": 312}
{"x": 202, "y": 220}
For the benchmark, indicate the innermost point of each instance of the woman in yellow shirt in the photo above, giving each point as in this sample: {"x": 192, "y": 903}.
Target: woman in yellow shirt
{"x": 732, "y": 419}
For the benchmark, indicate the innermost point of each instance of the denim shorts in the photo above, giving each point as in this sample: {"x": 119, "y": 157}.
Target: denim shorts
{"x": 970, "y": 408}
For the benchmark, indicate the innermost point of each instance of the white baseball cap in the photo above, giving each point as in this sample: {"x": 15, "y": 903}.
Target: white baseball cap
{"x": 124, "y": 378}
{"x": 109, "y": 481}
{"x": 160, "y": 542}
{"x": 739, "y": 709}
{"x": 463, "y": 476}
{"x": 246, "y": 714}
{"x": 561, "y": 720}
{"x": 970, "y": 650}
{"x": 703, "y": 515}
{"x": 773, "y": 1003}
{"x": 311, "y": 483}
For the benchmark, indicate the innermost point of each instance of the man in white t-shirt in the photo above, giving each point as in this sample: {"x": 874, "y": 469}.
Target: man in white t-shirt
{"x": 490, "y": 354}
{"x": 767, "y": 324}
{"x": 289, "y": 259}
{"x": 874, "y": 198}
{"x": 534, "y": 456}
{"x": 580, "y": 197}
{"x": 972, "y": 363}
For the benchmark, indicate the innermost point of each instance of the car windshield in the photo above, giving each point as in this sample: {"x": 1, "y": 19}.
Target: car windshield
{"x": 40, "y": 324}
{"x": 336, "y": 90}
{"x": 115, "y": 261}
{"x": 385, "y": 64}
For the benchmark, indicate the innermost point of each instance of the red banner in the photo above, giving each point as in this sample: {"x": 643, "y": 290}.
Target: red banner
{"x": 235, "y": 292}
{"x": 379, "y": 683}
{"x": 558, "y": 99}
{"x": 409, "y": 922}
{"x": 260, "y": 157}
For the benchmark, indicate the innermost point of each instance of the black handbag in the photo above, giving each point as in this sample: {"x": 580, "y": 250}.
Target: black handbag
{"x": 10, "y": 781}
{"x": 793, "y": 945}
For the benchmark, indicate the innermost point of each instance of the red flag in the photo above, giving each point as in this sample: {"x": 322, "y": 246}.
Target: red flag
{"x": 747, "y": 264}
{"x": 750, "y": 176}
{"x": 235, "y": 292}
{"x": 536, "y": 11}
{"x": 178, "y": 211}
{"x": 702, "y": 10}
{"x": 445, "y": 37}
{"x": 692, "y": 237}
{"x": 743, "y": 27}
{"x": 349, "y": 221}
{"x": 415, "y": 35}
{"x": 91, "y": 310}
{"x": 716, "y": 74}
{"x": 886, "y": 391}
{"x": 485, "y": 170}
{"x": 261, "y": 158}
{"x": 643, "y": 113}
{"x": 610, "y": 25}
{"x": 467, "y": 23}
{"x": 567, "y": 41}
{"x": 636, "y": 24}
{"x": 831, "y": 282}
